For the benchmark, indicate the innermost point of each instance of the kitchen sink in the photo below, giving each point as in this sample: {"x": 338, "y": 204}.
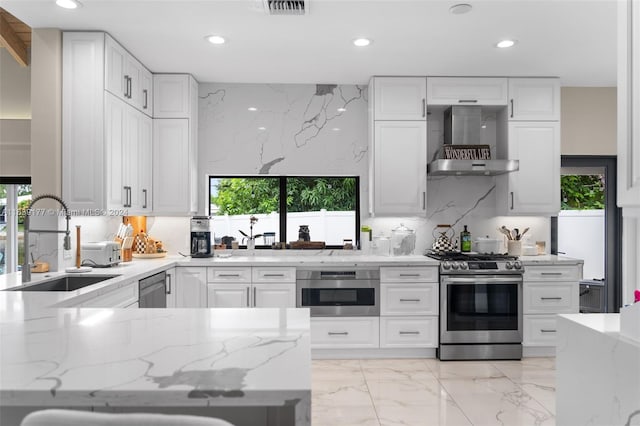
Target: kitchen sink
{"x": 68, "y": 283}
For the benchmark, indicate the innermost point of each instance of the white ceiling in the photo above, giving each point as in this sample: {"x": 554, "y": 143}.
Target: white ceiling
{"x": 572, "y": 39}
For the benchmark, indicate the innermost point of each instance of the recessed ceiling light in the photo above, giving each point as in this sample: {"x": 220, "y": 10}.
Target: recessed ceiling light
{"x": 336, "y": 129}
{"x": 215, "y": 39}
{"x": 69, "y": 4}
{"x": 505, "y": 43}
{"x": 459, "y": 9}
{"x": 262, "y": 128}
{"x": 361, "y": 42}
{"x": 252, "y": 109}
{"x": 341, "y": 109}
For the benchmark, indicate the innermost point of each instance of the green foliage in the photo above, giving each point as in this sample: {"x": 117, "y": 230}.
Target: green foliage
{"x": 260, "y": 195}
{"x": 582, "y": 192}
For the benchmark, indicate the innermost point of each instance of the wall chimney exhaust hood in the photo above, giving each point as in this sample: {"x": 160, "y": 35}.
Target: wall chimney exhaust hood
{"x": 462, "y": 126}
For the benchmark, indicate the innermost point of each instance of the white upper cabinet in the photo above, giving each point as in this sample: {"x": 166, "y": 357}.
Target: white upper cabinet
{"x": 534, "y": 99}
{"x": 400, "y": 98}
{"x": 400, "y": 168}
{"x": 535, "y": 187}
{"x": 175, "y": 164}
{"x": 628, "y": 104}
{"x": 172, "y": 96}
{"x": 466, "y": 91}
{"x": 126, "y": 77}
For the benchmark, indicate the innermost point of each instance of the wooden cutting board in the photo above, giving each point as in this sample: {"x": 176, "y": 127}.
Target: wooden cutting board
{"x": 307, "y": 244}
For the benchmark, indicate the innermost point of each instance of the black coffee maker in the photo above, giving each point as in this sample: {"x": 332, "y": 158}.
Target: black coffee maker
{"x": 200, "y": 237}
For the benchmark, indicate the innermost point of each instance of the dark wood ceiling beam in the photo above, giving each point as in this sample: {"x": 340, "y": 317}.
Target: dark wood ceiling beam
{"x": 12, "y": 42}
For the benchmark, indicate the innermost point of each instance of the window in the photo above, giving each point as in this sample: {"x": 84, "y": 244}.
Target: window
{"x": 328, "y": 205}
{"x": 15, "y": 194}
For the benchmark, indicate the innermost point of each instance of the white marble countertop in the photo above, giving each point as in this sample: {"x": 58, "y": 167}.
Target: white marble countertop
{"x": 606, "y": 324}
{"x": 154, "y": 357}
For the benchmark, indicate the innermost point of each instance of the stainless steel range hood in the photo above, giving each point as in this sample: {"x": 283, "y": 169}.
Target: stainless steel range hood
{"x": 462, "y": 126}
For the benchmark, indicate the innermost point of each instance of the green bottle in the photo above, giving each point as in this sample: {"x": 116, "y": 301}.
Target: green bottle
{"x": 465, "y": 240}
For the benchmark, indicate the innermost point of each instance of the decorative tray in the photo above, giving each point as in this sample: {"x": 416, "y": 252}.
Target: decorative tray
{"x": 149, "y": 255}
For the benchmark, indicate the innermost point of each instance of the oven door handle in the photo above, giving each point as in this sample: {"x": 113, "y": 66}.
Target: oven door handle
{"x": 482, "y": 280}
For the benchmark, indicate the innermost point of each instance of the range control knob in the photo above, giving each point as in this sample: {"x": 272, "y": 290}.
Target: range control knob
{"x": 517, "y": 264}
{"x": 455, "y": 265}
{"x": 463, "y": 265}
{"x": 446, "y": 265}
{"x": 509, "y": 265}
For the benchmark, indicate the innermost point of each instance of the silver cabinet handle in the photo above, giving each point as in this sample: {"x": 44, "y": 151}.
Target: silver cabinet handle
{"x": 228, "y": 275}
{"x": 127, "y": 196}
{"x": 409, "y": 275}
{"x": 126, "y": 86}
{"x": 145, "y": 92}
{"x": 144, "y": 191}
{"x": 409, "y": 332}
{"x": 409, "y": 300}
{"x": 248, "y": 295}
{"x": 547, "y": 331}
{"x": 511, "y": 200}
{"x": 551, "y": 273}
{"x": 467, "y": 101}
{"x": 338, "y": 333}
{"x": 551, "y": 298}
{"x": 254, "y": 297}
{"x": 511, "y": 108}
{"x": 129, "y": 90}
{"x": 424, "y": 107}
{"x": 168, "y": 281}
{"x": 424, "y": 200}
{"x": 273, "y": 275}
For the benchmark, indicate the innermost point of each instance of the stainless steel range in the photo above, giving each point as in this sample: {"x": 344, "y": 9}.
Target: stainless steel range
{"x": 480, "y": 306}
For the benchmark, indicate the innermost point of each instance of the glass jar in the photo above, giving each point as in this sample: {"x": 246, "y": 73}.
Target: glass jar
{"x": 403, "y": 241}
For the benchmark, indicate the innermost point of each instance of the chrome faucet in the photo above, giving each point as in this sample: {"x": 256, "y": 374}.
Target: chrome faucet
{"x": 26, "y": 267}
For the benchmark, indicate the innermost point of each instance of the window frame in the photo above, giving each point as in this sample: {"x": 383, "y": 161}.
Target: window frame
{"x": 11, "y": 261}
{"x": 282, "y": 202}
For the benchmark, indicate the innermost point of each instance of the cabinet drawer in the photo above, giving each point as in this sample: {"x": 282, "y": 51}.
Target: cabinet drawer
{"x": 270, "y": 274}
{"x": 539, "y": 330}
{"x": 118, "y": 298}
{"x": 466, "y": 91}
{"x": 550, "y": 298}
{"x": 409, "y": 299}
{"x": 228, "y": 275}
{"x": 552, "y": 273}
{"x": 413, "y": 332}
{"x": 412, "y": 274}
{"x": 345, "y": 332}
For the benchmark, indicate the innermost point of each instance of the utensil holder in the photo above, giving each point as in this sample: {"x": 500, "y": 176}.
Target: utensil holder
{"x": 514, "y": 247}
{"x": 127, "y": 255}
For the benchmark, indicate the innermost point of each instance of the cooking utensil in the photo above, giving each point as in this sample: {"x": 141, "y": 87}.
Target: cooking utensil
{"x": 516, "y": 233}
{"x": 524, "y": 232}
{"x": 503, "y": 230}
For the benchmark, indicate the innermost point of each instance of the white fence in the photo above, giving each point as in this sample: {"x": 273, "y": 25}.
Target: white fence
{"x": 332, "y": 227}
{"x": 581, "y": 235}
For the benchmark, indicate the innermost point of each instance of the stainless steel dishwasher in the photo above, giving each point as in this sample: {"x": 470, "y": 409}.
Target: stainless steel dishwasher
{"x": 152, "y": 291}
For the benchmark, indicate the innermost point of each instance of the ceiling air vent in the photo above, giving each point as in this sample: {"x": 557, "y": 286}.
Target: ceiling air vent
{"x": 286, "y": 7}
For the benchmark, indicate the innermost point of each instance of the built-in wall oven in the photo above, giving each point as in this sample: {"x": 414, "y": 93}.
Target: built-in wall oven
{"x": 339, "y": 291}
{"x": 480, "y": 309}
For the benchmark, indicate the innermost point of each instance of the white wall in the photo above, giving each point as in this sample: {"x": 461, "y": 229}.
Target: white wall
{"x": 15, "y": 147}
{"x": 15, "y": 88}
{"x": 588, "y": 116}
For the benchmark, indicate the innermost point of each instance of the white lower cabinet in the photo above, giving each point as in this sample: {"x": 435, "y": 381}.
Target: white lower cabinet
{"x": 539, "y": 330}
{"x": 409, "y": 299}
{"x": 228, "y": 295}
{"x": 345, "y": 332}
{"x": 257, "y": 287}
{"x": 409, "y": 332}
{"x": 548, "y": 290}
{"x": 191, "y": 287}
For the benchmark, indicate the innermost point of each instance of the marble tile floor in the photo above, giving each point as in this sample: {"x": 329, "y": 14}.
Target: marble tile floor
{"x": 415, "y": 392}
